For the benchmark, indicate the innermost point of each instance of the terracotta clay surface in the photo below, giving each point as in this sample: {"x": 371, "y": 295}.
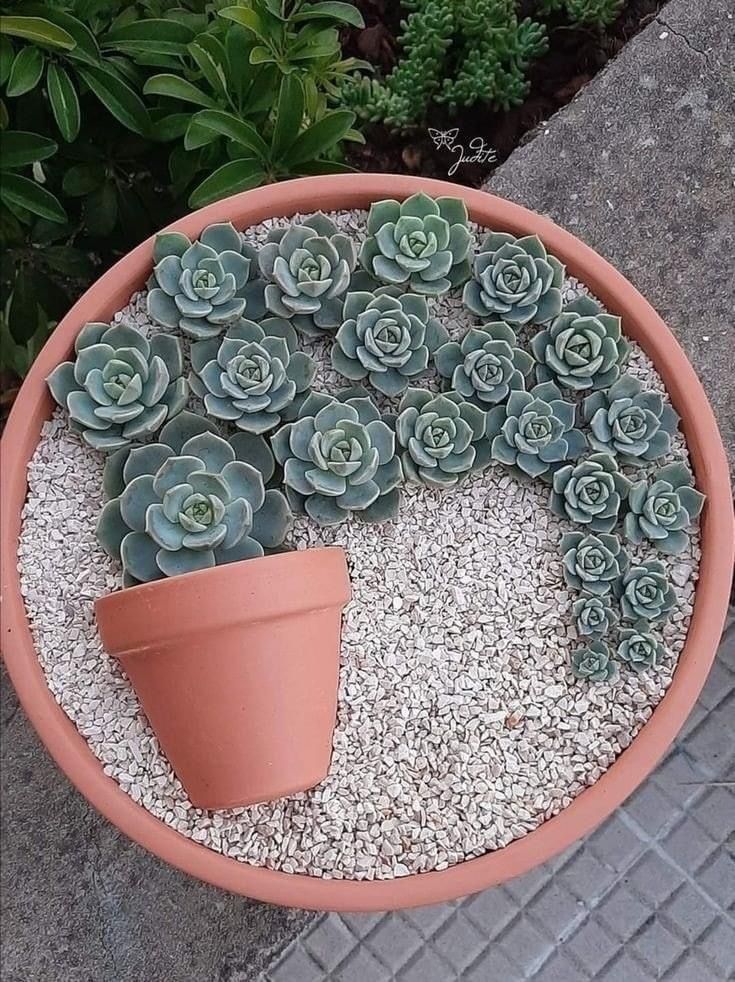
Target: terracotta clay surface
{"x": 640, "y": 322}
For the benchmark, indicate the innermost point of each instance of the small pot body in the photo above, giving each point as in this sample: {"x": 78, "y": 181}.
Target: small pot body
{"x": 237, "y": 670}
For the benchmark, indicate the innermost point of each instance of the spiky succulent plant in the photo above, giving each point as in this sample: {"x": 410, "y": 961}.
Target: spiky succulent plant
{"x": 627, "y": 421}
{"x": 594, "y": 663}
{"x": 645, "y": 592}
{"x": 486, "y": 366}
{"x": 640, "y": 649}
{"x": 201, "y": 287}
{"x": 443, "y": 438}
{"x": 582, "y": 348}
{"x": 121, "y": 387}
{"x": 339, "y": 458}
{"x": 662, "y": 510}
{"x": 190, "y": 502}
{"x": 534, "y": 433}
{"x": 590, "y": 492}
{"x": 421, "y": 242}
{"x": 386, "y": 339}
{"x": 515, "y": 279}
{"x": 593, "y": 563}
{"x": 308, "y": 269}
{"x": 594, "y": 615}
{"x": 254, "y": 376}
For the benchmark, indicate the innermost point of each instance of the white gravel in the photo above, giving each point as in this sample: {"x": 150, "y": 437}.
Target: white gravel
{"x": 460, "y": 726}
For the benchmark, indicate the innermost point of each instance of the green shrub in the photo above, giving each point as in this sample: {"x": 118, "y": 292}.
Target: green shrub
{"x": 584, "y": 13}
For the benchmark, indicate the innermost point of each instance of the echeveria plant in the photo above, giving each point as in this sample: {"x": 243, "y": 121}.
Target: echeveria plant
{"x": 201, "y": 287}
{"x": 442, "y": 437}
{"x": 386, "y": 339}
{"x": 594, "y": 616}
{"x": 190, "y": 502}
{"x": 583, "y": 348}
{"x": 662, "y": 510}
{"x": 339, "y": 458}
{"x": 253, "y": 376}
{"x": 308, "y": 268}
{"x": 633, "y": 424}
{"x": 590, "y": 492}
{"x": 515, "y": 280}
{"x": 121, "y": 387}
{"x": 486, "y": 366}
{"x": 593, "y": 563}
{"x": 639, "y": 649}
{"x": 594, "y": 663}
{"x": 645, "y": 592}
{"x": 421, "y": 242}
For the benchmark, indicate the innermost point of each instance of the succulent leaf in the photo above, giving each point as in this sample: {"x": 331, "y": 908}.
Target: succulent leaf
{"x": 663, "y": 509}
{"x": 594, "y": 663}
{"x": 486, "y": 367}
{"x": 594, "y": 615}
{"x": 645, "y": 593}
{"x": 590, "y": 492}
{"x": 630, "y": 422}
{"x": 640, "y": 649}
{"x": 593, "y": 563}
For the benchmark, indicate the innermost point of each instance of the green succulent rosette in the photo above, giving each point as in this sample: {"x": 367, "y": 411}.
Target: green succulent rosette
{"x": 627, "y": 421}
{"x": 121, "y": 387}
{"x": 594, "y": 663}
{"x": 386, "y": 339}
{"x": 594, "y": 616}
{"x": 421, "y": 242}
{"x": 590, "y": 492}
{"x": 662, "y": 510}
{"x": 583, "y": 348}
{"x": 645, "y": 593}
{"x": 515, "y": 280}
{"x": 486, "y": 366}
{"x": 253, "y": 377}
{"x": 639, "y": 649}
{"x": 201, "y": 287}
{"x": 594, "y": 563}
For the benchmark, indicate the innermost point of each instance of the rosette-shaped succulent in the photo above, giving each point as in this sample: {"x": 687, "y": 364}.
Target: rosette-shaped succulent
{"x": 515, "y": 279}
{"x": 386, "y": 339}
{"x": 590, "y": 492}
{"x": 121, "y": 387}
{"x": 422, "y": 242}
{"x": 254, "y": 376}
{"x": 443, "y": 438}
{"x": 662, "y": 510}
{"x": 593, "y": 563}
{"x": 594, "y": 615}
{"x": 339, "y": 457}
{"x": 486, "y": 366}
{"x": 201, "y": 287}
{"x": 639, "y": 649}
{"x": 308, "y": 268}
{"x": 534, "y": 431}
{"x": 629, "y": 422}
{"x": 191, "y": 501}
{"x": 582, "y": 348}
{"x": 594, "y": 663}
{"x": 645, "y": 593}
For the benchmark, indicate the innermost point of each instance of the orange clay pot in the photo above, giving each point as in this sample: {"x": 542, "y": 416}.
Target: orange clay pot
{"x": 237, "y": 668}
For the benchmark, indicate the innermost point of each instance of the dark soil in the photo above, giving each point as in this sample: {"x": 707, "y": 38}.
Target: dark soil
{"x": 575, "y": 55}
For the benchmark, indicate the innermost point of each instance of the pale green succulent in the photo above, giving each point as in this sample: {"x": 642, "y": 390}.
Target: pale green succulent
{"x": 443, "y": 438}
{"x": 190, "y": 502}
{"x": 515, "y": 280}
{"x": 645, "y": 593}
{"x": 662, "y": 510}
{"x": 253, "y": 377}
{"x": 121, "y": 386}
{"x": 594, "y": 615}
{"x": 625, "y": 420}
{"x": 593, "y": 563}
{"x": 594, "y": 663}
{"x": 339, "y": 458}
{"x": 639, "y": 649}
{"x": 308, "y": 269}
{"x": 387, "y": 339}
{"x": 486, "y": 366}
{"x": 590, "y": 492}
{"x": 421, "y": 242}
{"x": 202, "y": 287}
{"x": 583, "y": 348}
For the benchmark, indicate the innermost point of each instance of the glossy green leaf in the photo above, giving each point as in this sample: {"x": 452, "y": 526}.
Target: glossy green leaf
{"x": 321, "y": 136}
{"x": 20, "y": 148}
{"x": 170, "y": 127}
{"x": 24, "y": 193}
{"x": 151, "y": 29}
{"x": 100, "y": 210}
{"x": 86, "y": 48}
{"x": 289, "y": 114}
{"x": 183, "y": 166}
{"x": 210, "y": 64}
{"x": 81, "y": 179}
{"x": 177, "y": 88}
{"x": 226, "y": 124}
{"x": 7, "y": 56}
{"x": 26, "y": 71}
{"x": 343, "y": 13}
{"x": 4, "y": 118}
{"x": 64, "y": 101}
{"x": 248, "y": 19}
{"x": 38, "y": 30}
{"x": 261, "y": 55}
{"x": 237, "y": 175}
{"x": 118, "y": 98}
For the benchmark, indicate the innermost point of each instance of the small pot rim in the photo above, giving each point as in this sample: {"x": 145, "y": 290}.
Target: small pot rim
{"x": 33, "y": 406}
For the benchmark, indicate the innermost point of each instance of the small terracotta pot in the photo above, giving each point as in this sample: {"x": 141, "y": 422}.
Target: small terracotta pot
{"x": 237, "y": 669}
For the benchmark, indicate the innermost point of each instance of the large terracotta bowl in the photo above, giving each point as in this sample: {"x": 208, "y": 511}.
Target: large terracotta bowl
{"x": 641, "y": 323}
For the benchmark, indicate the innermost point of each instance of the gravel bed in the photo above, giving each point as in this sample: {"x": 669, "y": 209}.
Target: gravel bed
{"x": 460, "y": 726}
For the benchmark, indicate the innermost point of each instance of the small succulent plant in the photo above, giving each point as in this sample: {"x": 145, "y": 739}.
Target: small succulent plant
{"x": 645, "y": 593}
{"x": 421, "y": 242}
{"x": 662, "y": 510}
{"x": 339, "y": 457}
{"x": 594, "y": 663}
{"x": 486, "y": 366}
{"x": 594, "y": 615}
{"x": 121, "y": 387}
{"x": 201, "y": 287}
{"x": 386, "y": 339}
{"x": 593, "y": 563}
{"x": 534, "y": 432}
{"x": 515, "y": 279}
{"x": 590, "y": 492}
{"x": 190, "y": 502}
{"x": 443, "y": 438}
{"x": 253, "y": 377}
{"x": 308, "y": 269}
{"x": 639, "y": 649}
{"x": 583, "y": 348}
{"x": 629, "y": 422}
